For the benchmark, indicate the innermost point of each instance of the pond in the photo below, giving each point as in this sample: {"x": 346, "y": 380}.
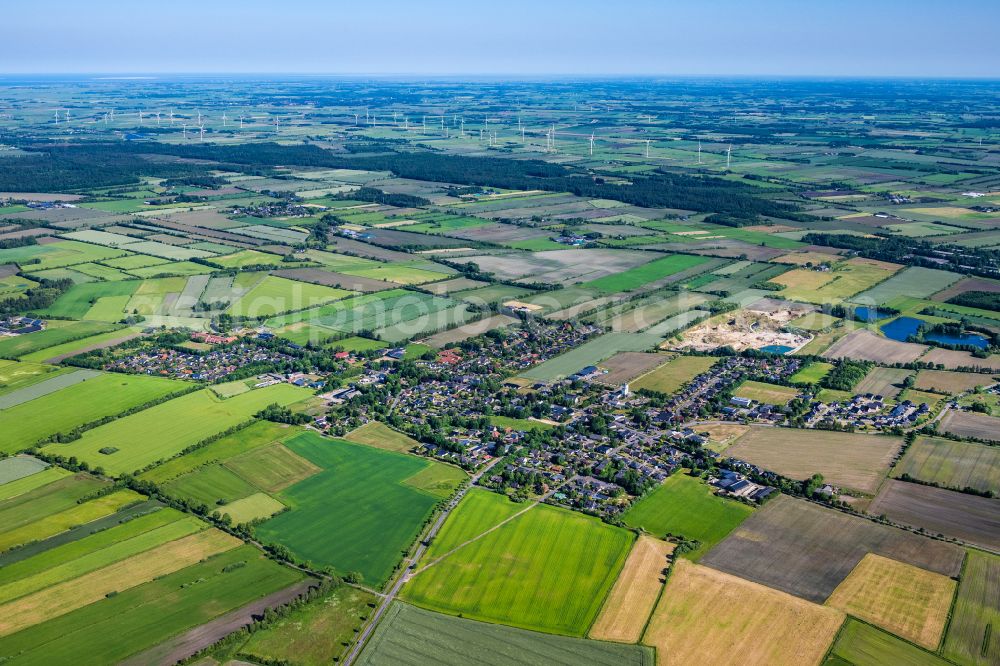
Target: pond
{"x": 973, "y": 339}
{"x": 865, "y": 313}
{"x": 902, "y": 328}
{"x": 776, "y": 349}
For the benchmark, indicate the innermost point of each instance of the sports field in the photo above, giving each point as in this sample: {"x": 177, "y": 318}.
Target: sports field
{"x": 768, "y": 394}
{"x": 411, "y": 636}
{"x": 973, "y": 637}
{"x": 951, "y": 464}
{"x": 844, "y": 459}
{"x": 66, "y": 409}
{"x": 706, "y": 616}
{"x": 812, "y": 373}
{"x": 165, "y": 430}
{"x": 357, "y": 514}
{"x": 548, "y": 569}
{"x": 905, "y": 600}
{"x": 685, "y": 506}
{"x": 635, "y": 592}
{"x": 674, "y": 374}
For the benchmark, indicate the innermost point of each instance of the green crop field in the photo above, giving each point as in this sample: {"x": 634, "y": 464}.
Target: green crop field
{"x": 74, "y": 347}
{"x": 246, "y": 439}
{"x": 357, "y": 514}
{"x": 274, "y": 295}
{"x": 100, "y": 550}
{"x": 247, "y": 258}
{"x": 915, "y": 281}
{"x": 54, "y": 522}
{"x": 479, "y": 511}
{"x": 121, "y": 625}
{"x": 548, "y": 569}
{"x": 165, "y": 430}
{"x": 15, "y": 375}
{"x": 861, "y": 644}
{"x": 32, "y": 342}
{"x": 399, "y": 274}
{"x": 973, "y": 636}
{"x": 25, "y": 424}
{"x": 410, "y": 636}
{"x": 685, "y": 506}
{"x": 28, "y": 483}
{"x": 210, "y": 485}
{"x": 674, "y": 374}
{"x": 641, "y": 275}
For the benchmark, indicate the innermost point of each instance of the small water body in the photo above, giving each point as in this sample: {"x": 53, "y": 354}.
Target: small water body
{"x": 972, "y": 339}
{"x": 777, "y": 349}
{"x": 865, "y": 313}
{"x": 902, "y": 328}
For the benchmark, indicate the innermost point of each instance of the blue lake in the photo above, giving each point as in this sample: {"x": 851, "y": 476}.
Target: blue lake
{"x": 865, "y": 313}
{"x": 777, "y": 349}
{"x": 964, "y": 339}
{"x": 902, "y": 328}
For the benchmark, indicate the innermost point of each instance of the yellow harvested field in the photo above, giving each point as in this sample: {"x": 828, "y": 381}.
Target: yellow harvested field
{"x": 803, "y": 279}
{"x": 76, "y": 593}
{"x": 709, "y": 617}
{"x": 903, "y": 599}
{"x": 634, "y": 594}
{"x": 803, "y": 258}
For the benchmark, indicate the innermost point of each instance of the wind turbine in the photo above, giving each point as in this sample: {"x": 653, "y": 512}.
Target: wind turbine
{"x": 241, "y": 122}
{"x": 224, "y": 120}
{"x": 462, "y": 131}
{"x": 184, "y": 126}
{"x": 157, "y": 118}
{"x": 729, "y": 155}
{"x": 355, "y": 119}
{"x": 647, "y": 148}
{"x": 140, "y": 119}
{"x": 171, "y": 114}
{"x": 199, "y": 118}
{"x": 201, "y": 133}
{"x": 699, "y": 151}
{"x": 591, "y": 144}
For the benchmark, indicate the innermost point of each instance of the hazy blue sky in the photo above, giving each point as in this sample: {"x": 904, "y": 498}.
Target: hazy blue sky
{"x": 706, "y": 37}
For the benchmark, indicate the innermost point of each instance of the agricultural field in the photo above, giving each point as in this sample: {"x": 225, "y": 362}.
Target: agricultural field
{"x": 914, "y": 282}
{"x": 943, "y": 381}
{"x": 972, "y": 636}
{"x": 548, "y": 569}
{"x": 862, "y": 644}
{"x": 818, "y": 548}
{"x": 674, "y": 374}
{"x": 655, "y": 270}
{"x": 631, "y": 600}
{"x": 69, "y": 408}
{"x": 57, "y": 334}
{"x": 970, "y": 518}
{"x": 685, "y": 506}
{"x": 626, "y": 366}
{"x": 905, "y": 600}
{"x": 380, "y": 510}
{"x": 161, "y": 432}
{"x": 859, "y": 462}
{"x": 863, "y": 345}
{"x": 411, "y": 636}
{"x": 886, "y": 382}
{"x": 590, "y": 353}
{"x": 969, "y": 424}
{"x": 951, "y": 464}
{"x": 706, "y": 616}
{"x": 274, "y": 295}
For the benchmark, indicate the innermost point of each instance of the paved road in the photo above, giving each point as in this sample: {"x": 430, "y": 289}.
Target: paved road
{"x": 409, "y": 564}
